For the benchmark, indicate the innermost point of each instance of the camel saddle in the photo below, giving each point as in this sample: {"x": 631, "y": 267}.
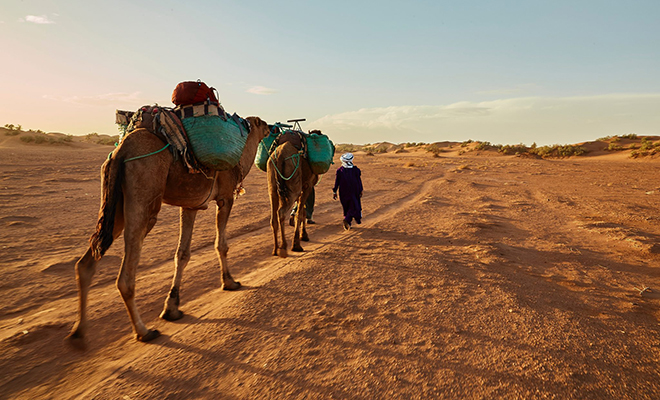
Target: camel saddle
{"x": 292, "y": 137}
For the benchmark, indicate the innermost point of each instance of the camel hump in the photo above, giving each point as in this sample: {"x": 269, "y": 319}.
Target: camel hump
{"x": 292, "y": 137}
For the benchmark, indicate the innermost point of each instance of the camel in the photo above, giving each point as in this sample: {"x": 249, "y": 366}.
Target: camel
{"x": 290, "y": 178}
{"x": 134, "y": 186}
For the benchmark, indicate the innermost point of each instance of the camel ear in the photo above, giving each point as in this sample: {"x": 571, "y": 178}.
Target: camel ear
{"x": 259, "y": 122}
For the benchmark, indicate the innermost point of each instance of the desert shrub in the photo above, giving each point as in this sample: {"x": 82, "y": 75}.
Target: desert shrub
{"x": 435, "y": 149}
{"x": 483, "y": 146}
{"x": 629, "y": 136}
{"x": 370, "y": 153}
{"x": 27, "y": 139}
{"x": 614, "y": 147}
{"x": 346, "y": 148}
{"x": 108, "y": 141}
{"x": 92, "y": 136}
{"x": 38, "y": 139}
{"x": 13, "y": 130}
{"x": 615, "y": 139}
{"x": 466, "y": 143}
{"x": 558, "y": 150}
{"x": 60, "y": 140}
{"x": 381, "y": 148}
{"x": 604, "y": 139}
{"x": 638, "y": 153}
{"x": 512, "y": 149}
{"x": 646, "y": 145}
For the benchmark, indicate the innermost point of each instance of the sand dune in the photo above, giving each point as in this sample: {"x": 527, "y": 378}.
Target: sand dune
{"x": 474, "y": 275}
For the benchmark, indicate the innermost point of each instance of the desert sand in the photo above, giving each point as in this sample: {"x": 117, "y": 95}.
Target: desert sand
{"x": 473, "y": 275}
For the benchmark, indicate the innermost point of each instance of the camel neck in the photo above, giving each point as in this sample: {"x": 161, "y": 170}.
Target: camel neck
{"x": 249, "y": 151}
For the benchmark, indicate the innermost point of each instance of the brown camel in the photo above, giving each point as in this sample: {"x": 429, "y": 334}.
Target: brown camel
{"x": 132, "y": 194}
{"x": 290, "y": 179}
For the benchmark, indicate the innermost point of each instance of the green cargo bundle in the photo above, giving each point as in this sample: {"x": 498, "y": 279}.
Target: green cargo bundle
{"x": 217, "y": 143}
{"x": 320, "y": 151}
{"x": 263, "y": 151}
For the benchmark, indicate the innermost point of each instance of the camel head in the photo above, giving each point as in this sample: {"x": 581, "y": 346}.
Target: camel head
{"x": 259, "y": 126}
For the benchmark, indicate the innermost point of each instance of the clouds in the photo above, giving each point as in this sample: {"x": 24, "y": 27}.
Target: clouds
{"x": 37, "y": 19}
{"x": 103, "y": 100}
{"x": 261, "y": 90}
{"x": 544, "y": 120}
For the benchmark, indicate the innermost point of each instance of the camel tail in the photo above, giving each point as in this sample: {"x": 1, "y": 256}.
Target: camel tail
{"x": 112, "y": 173}
{"x": 282, "y": 188}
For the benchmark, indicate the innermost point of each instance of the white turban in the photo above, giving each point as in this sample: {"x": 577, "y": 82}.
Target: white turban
{"x": 347, "y": 160}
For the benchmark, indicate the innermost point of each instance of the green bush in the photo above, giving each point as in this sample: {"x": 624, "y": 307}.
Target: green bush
{"x": 513, "y": 149}
{"x": 483, "y": 146}
{"x": 558, "y": 151}
{"x": 27, "y": 139}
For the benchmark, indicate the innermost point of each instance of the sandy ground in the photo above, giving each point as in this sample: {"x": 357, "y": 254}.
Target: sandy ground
{"x": 472, "y": 276}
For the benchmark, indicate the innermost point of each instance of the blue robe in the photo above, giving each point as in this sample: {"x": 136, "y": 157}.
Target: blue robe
{"x": 349, "y": 183}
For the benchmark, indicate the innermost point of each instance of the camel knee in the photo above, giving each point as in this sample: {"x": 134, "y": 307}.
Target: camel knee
{"x": 127, "y": 290}
{"x": 183, "y": 256}
{"x": 222, "y": 249}
{"x": 85, "y": 268}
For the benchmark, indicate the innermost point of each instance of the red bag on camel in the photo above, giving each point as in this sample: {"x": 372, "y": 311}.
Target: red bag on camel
{"x": 190, "y": 92}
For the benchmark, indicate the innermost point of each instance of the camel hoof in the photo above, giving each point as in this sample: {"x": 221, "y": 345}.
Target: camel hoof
{"x": 305, "y": 238}
{"x": 298, "y": 249}
{"x": 232, "y": 286}
{"x": 75, "y": 335}
{"x": 171, "y": 315}
{"x": 282, "y": 253}
{"x": 151, "y": 335}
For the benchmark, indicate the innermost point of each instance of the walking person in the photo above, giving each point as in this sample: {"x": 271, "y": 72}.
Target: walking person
{"x": 348, "y": 182}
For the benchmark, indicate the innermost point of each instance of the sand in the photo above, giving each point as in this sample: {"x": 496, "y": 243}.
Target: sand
{"x": 472, "y": 276}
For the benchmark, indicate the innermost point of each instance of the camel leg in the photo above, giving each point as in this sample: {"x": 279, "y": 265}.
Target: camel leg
{"x": 221, "y": 247}
{"x": 282, "y": 214}
{"x": 85, "y": 269}
{"x": 300, "y": 214}
{"x": 171, "y": 311}
{"x": 274, "y": 219}
{"x": 301, "y": 220}
{"x": 304, "y": 237}
{"x": 137, "y": 228}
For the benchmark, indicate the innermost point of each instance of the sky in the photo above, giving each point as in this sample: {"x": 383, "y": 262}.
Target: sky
{"x": 526, "y": 71}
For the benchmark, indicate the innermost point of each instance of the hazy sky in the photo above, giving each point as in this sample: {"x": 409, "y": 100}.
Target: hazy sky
{"x": 502, "y": 71}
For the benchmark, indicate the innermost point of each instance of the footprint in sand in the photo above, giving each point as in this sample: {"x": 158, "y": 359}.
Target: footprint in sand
{"x": 14, "y": 220}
